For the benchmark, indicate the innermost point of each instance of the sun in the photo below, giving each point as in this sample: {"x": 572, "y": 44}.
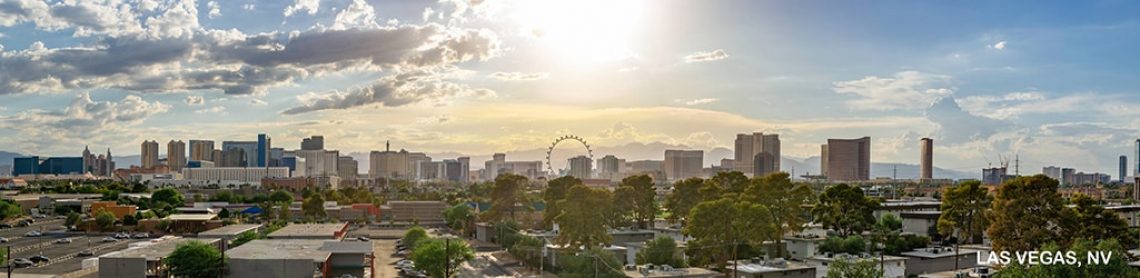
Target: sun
{"x": 582, "y": 30}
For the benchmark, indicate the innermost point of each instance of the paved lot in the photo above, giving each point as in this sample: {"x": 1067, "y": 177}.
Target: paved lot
{"x": 64, "y": 256}
{"x": 384, "y": 263}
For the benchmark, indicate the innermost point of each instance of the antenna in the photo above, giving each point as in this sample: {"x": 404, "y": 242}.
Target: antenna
{"x": 1016, "y": 164}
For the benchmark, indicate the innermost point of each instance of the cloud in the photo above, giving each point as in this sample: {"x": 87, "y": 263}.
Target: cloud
{"x": 1000, "y": 45}
{"x": 195, "y": 100}
{"x": 700, "y": 101}
{"x": 907, "y": 90}
{"x": 390, "y": 91}
{"x": 703, "y": 56}
{"x": 956, "y": 126}
{"x": 83, "y": 118}
{"x": 1013, "y": 105}
{"x": 211, "y": 110}
{"x": 357, "y": 14}
{"x": 248, "y": 7}
{"x": 215, "y": 9}
{"x": 255, "y": 101}
{"x": 309, "y": 6}
{"x": 519, "y": 76}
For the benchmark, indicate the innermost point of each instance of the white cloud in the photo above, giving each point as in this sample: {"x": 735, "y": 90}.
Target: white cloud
{"x": 309, "y": 6}
{"x": 211, "y": 110}
{"x": 358, "y": 14}
{"x": 215, "y": 9}
{"x": 195, "y": 100}
{"x": 704, "y": 56}
{"x": 255, "y": 101}
{"x": 1000, "y": 45}
{"x": 700, "y": 101}
{"x": 519, "y": 76}
{"x": 907, "y": 90}
{"x": 248, "y": 7}
{"x": 390, "y": 91}
{"x": 83, "y": 118}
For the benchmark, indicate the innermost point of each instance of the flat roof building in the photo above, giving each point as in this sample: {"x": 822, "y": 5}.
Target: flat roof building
{"x": 335, "y": 231}
{"x": 229, "y": 233}
{"x": 287, "y": 258}
{"x": 143, "y": 260}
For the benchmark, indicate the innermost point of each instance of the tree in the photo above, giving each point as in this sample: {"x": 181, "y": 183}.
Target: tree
{"x": 635, "y": 199}
{"x": 130, "y": 220}
{"x": 507, "y": 233}
{"x": 853, "y": 244}
{"x": 592, "y": 262}
{"x": 195, "y": 259}
{"x": 1025, "y": 214}
{"x": 225, "y": 213}
{"x": 168, "y": 196}
{"x": 1117, "y": 266}
{"x": 105, "y": 220}
{"x": 508, "y": 193}
{"x": 72, "y": 219}
{"x": 843, "y": 208}
{"x": 845, "y": 268}
{"x": 556, "y": 191}
{"x": 413, "y": 236}
{"x": 442, "y": 258}
{"x": 964, "y": 213}
{"x": 9, "y": 210}
{"x": 733, "y": 183}
{"x": 583, "y": 220}
{"x": 785, "y": 200}
{"x": 529, "y": 250}
{"x": 686, "y": 194}
{"x": 244, "y": 237}
{"x": 281, "y": 197}
{"x": 459, "y": 218}
{"x": 1089, "y": 220}
{"x": 314, "y": 206}
{"x": 662, "y": 250}
{"x": 727, "y": 222}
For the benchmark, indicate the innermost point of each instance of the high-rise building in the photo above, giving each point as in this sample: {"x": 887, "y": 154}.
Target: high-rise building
{"x": 149, "y": 154}
{"x": 318, "y": 163}
{"x": 232, "y": 158}
{"x": 499, "y": 165}
{"x": 249, "y": 153}
{"x": 464, "y": 174}
{"x": 683, "y": 164}
{"x": 926, "y": 159}
{"x": 1123, "y": 167}
{"x": 346, "y": 167}
{"x": 315, "y": 142}
{"x": 847, "y": 159}
{"x": 1052, "y": 172}
{"x": 581, "y": 167}
{"x": 995, "y": 176}
{"x": 263, "y": 146}
{"x": 610, "y": 167}
{"x": 749, "y": 146}
{"x": 1136, "y": 168}
{"x": 176, "y": 155}
{"x": 1068, "y": 176}
{"x": 202, "y": 150}
{"x": 35, "y": 165}
{"x": 390, "y": 164}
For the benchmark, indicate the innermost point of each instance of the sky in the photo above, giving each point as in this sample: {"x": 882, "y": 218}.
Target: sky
{"x": 1051, "y": 83}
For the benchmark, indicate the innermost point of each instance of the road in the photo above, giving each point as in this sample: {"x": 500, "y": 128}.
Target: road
{"x": 64, "y": 257}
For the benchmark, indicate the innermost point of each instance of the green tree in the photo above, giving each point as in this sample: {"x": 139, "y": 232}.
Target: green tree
{"x": 413, "y": 236}
{"x": 72, "y": 219}
{"x": 583, "y": 221}
{"x": 244, "y": 237}
{"x": 593, "y": 262}
{"x": 845, "y": 209}
{"x": 1025, "y": 214}
{"x": 852, "y": 244}
{"x": 662, "y": 250}
{"x": 686, "y": 194}
{"x": 130, "y": 220}
{"x": 556, "y": 191}
{"x": 314, "y": 206}
{"x": 225, "y": 213}
{"x": 964, "y": 213}
{"x": 727, "y": 222}
{"x": 733, "y": 183}
{"x": 442, "y": 257}
{"x": 105, "y": 220}
{"x": 529, "y": 250}
{"x": 785, "y": 200}
{"x": 1090, "y": 220}
{"x": 281, "y": 197}
{"x": 507, "y": 233}
{"x": 509, "y": 193}
{"x": 844, "y": 268}
{"x": 1117, "y": 266}
{"x": 635, "y": 199}
{"x": 460, "y": 218}
{"x": 195, "y": 259}
{"x": 168, "y": 196}
{"x": 9, "y": 210}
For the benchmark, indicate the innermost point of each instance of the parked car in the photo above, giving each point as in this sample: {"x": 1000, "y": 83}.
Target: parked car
{"x": 363, "y": 238}
{"x": 142, "y": 235}
{"x": 3, "y": 240}
{"x": 5, "y": 226}
{"x": 33, "y": 234}
{"x": 40, "y": 259}
{"x": 23, "y": 223}
{"x": 63, "y": 241}
{"x": 22, "y": 262}
{"x": 110, "y": 239}
{"x": 122, "y": 235}
{"x": 86, "y": 253}
{"x": 405, "y": 264}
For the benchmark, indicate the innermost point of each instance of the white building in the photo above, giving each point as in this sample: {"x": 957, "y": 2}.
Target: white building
{"x": 242, "y": 174}
{"x": 894, "y": 267}
{"x": 318, "y": 163}
{"x": 395, "y": 165}
{"x": 499, "y": 165}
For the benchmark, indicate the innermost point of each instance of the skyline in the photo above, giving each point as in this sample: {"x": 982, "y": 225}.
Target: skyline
{"x": 478, "y": 79}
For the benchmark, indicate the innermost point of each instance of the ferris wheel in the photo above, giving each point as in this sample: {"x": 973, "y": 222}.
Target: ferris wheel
{"x": 589, "y": 152}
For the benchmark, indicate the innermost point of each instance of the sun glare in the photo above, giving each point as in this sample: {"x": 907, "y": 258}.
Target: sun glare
{"x": 582, "y": 30}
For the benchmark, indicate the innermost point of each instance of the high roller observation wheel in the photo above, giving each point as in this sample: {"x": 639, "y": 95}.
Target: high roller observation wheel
{"x": 589, "y": 152}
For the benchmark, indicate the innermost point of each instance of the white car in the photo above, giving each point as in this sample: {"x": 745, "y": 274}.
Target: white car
{"x": 33, "y": 234}
{"x": 63, "y": 240}
{"x": 110, "y": 239}
{"x": 3, "y": 240}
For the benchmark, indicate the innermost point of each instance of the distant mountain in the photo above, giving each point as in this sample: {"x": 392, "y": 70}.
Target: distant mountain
{"x": 126, "y": 161}
{"x": 7, "y": 158}
{"x": 878, "y": 169}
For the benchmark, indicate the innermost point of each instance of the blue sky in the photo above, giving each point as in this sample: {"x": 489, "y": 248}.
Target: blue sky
{"x": 1050, "y": 81}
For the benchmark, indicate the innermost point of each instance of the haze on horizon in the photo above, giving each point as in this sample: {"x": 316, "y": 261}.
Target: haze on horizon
{"x": 1052, "y": 83}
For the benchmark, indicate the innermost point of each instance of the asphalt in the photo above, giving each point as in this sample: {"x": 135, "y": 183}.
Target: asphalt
{"x": 64, "y": 256}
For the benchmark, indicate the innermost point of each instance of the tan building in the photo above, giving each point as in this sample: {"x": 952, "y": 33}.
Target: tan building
{"x": 346, "y": 168}
{"x": 751, "y": 147}
{"x": 202, "y": 150}
{"x": 394, "y": 165}
{"x": 926, "y": 159}
{"x": 499, "y": 165}
{"x": 422, "y": 211}
{"x": 846, "y": 159}
{"x": 176, "y": 155}
{"x": 683, "y": 164}
{"x": 149, "y": 157}
{"x": 581, "y": 167}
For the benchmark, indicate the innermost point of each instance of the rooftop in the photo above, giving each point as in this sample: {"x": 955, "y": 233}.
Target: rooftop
{"x": 937, "y": 252}
{"x": 309, "y": 230}
{"x": 231, "y": 230}
{"x": 191, "y": 217}
{"x": 156, "y": 249}
{"x": 676, "y": 272}
{"x": 316, "y": 249}
{"x": 831, "y": 258}
{"x": 776, "y": 265}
